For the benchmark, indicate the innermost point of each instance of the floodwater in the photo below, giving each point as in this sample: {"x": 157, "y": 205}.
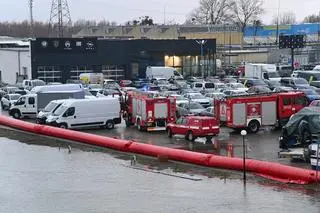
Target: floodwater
{"x": 48, "y": 179}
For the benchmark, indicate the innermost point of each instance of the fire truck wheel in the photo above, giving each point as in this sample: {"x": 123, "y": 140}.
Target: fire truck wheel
{"x": 254, "y": 126}
{"x": 190, "y": 136}
{"x": 169, "y": 133}
{"x": 208, "y": 139}
{"x": 110, "y": 124}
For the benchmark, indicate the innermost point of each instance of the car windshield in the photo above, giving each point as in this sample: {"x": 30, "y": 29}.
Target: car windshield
{"x": 300, "y": 81}
{"x": 196, "y": 106}
{"x": 275, "y": 83}
{"x": 60, "y": 110}
{"x": 258, "y": 82}
{"x": 196, "y": 96}
{"x": 14, "y": 97}
{"x": 209, "y": 85}
{"x": 273, "y": 75}
{"x": 198, "y": 85}
{"x": 50, "y": 107}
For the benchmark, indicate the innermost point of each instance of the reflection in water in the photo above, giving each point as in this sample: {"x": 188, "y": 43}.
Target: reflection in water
{"x": 44, "y": 179}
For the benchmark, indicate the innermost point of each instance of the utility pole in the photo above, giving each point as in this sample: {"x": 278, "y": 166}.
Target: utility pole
{"x": 31, "y": 17}
{"x": 59, "y": 17}
{"x": 201, "y": 43}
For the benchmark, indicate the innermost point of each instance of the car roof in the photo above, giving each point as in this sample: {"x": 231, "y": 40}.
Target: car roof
{"x": 200, "y": 117}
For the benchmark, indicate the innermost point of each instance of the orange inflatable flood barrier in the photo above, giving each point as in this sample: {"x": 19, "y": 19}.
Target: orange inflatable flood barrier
{"x": 273, "y": 171}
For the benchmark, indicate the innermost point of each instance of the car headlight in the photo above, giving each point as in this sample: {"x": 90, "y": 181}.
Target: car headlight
{"x": 52, "y": 119}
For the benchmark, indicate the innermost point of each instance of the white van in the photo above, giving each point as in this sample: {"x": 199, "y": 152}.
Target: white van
{"x": 80, "y": 113}
{"x": 49, "y": 110}
{"x": 162, "y": 72}
{"x": 203, "y": 86}
{"x": 29, "y": 84}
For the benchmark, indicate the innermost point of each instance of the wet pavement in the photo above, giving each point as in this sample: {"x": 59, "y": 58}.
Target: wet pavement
{"x": 263, "y": 145}
{"x": 49, "y": 178}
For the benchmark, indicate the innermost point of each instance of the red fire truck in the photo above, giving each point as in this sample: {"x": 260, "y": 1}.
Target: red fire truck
{"x": 148, "y": 111}
{"x": 257, "y": 110}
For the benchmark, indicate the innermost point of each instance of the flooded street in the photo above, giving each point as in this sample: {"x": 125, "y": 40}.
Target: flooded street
{"x": 47, "y": 179}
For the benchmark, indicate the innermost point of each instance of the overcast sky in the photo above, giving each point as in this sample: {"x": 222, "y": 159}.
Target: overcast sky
{"x": 121, "y": 11}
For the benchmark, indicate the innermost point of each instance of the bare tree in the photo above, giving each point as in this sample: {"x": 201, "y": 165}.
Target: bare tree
{"x": 314, "y": 18}
{"x": 246, "y": 11}
{"x": 210, "y": 12}
{"x": 285, "y": 18}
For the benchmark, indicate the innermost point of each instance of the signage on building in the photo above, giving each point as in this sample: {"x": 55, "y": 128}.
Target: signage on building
{"x": 71, "y": 45}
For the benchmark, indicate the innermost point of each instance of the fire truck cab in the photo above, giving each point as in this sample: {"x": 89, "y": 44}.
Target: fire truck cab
{"x": 148, "y": 110}
{"x": 253, "y": 111}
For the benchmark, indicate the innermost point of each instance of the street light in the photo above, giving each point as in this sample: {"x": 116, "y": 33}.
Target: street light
{"x": 244, "y": 133}
{"x": 277, "y": 33}
{"x": 201, "y": 43}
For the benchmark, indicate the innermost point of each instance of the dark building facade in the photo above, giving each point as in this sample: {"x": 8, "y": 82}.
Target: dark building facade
{"x": 57, "y": 60}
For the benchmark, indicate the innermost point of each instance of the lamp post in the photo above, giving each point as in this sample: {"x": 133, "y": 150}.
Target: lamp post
{"x": 201, "y": 43}
{"x": 244, "y": 133}
{"x": 277, "y": 34}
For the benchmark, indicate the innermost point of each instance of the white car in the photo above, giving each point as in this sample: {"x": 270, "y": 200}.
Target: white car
{"x": 198, "y": 98}
{"x": 180, "y": 99}
{"x": 215, "y": 96}
{"x": 8, "y": 100}
{"x": 234, "y": 93}
{"x": 237, "y": 86}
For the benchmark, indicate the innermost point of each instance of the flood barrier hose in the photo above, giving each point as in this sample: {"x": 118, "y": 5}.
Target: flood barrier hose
{"x": 273, "y": 171}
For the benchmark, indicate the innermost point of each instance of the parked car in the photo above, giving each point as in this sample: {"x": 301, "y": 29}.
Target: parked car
{"x": 189, "y": 108}
{"x": 203, "y": 86}
{"x": 193, "y": 127}
{"x": 237, "y": 86}
{"x": 220, "y": 87}
{"x": 8, "y": 100}
{"x": 315, "y": 103}
{"x": 259, "y": 90}
{"x": 125, "y": 83}
{"x": 311, "y": 94}
{"x": 295, "y": 83}
{"x": 209, "y": 111}
{"x": 283, "y": 89}
{"x": 215, "y": 96}
{"x": 198, "y": 98}
{"x": 250, "y": 82}
{"x": 234, "y": 93}
{"x": 180, "y": 99}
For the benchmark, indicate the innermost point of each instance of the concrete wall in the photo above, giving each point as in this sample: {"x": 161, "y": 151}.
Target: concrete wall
{"x": 14, "y": 62}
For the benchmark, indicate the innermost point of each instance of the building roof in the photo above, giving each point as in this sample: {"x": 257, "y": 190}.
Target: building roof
{"x": 11, "y": 42}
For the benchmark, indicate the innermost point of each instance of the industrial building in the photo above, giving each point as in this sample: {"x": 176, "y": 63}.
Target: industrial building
{"x": 60, "y": 59}
{"x": 15, "y": 60}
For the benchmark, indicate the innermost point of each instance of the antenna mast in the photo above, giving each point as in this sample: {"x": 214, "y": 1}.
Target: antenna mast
{"x": 59, "y": 18}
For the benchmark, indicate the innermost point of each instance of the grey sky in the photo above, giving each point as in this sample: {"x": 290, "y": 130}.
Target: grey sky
{"x": 124, "y": 10}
